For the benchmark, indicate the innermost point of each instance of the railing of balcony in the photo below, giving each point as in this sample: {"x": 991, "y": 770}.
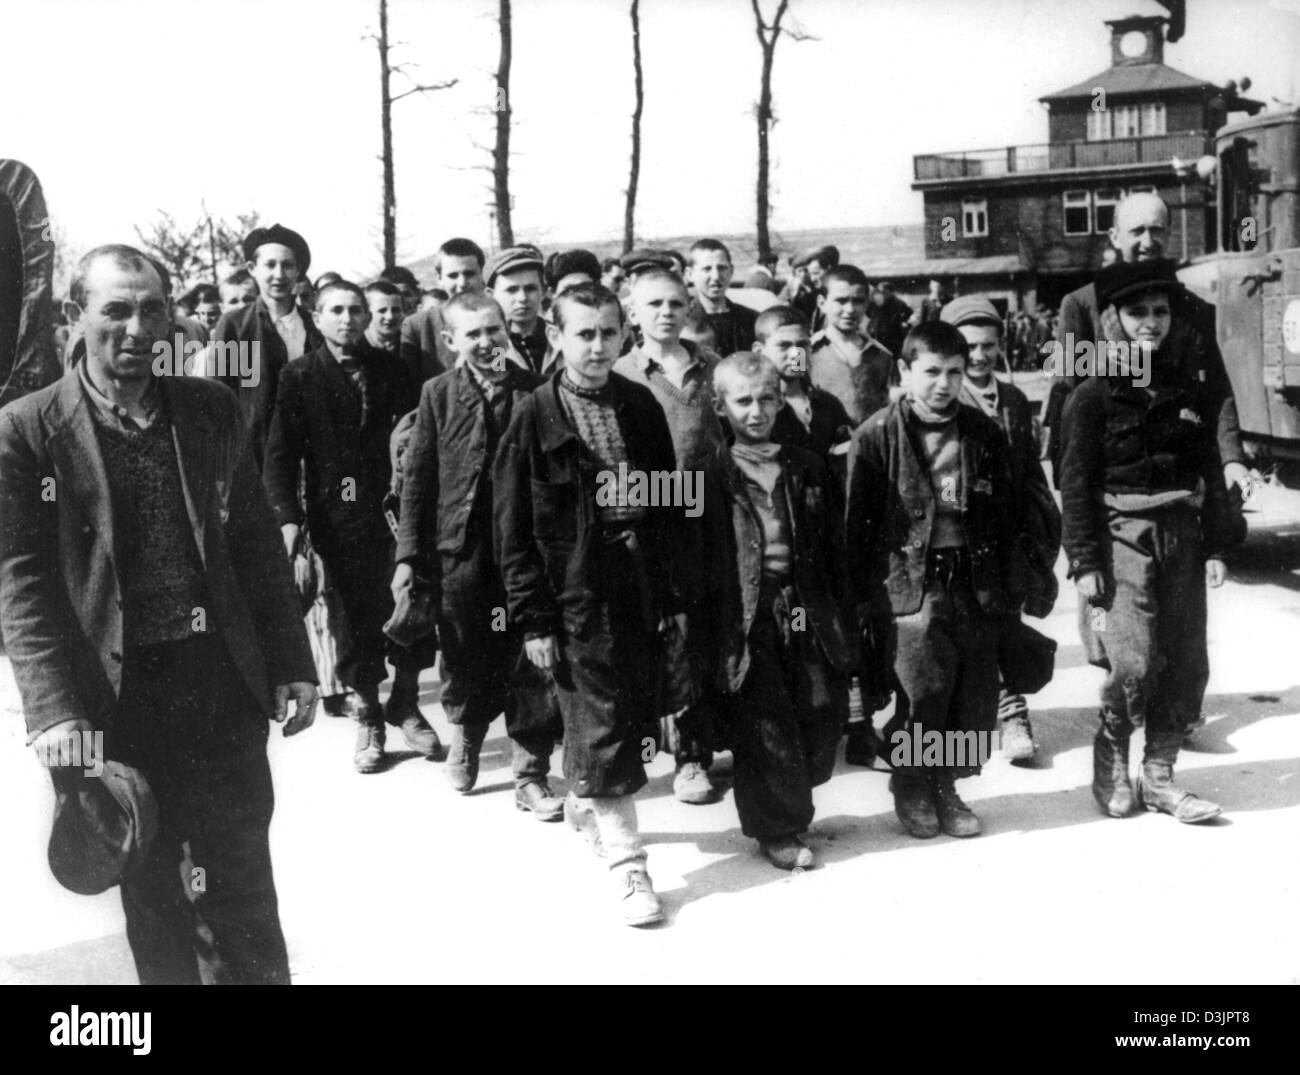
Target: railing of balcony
{"x": 1056, "y": 156}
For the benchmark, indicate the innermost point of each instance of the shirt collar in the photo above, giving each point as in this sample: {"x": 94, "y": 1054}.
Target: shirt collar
{"x": 650, "y": 365}
{"x": 115, "y": 411}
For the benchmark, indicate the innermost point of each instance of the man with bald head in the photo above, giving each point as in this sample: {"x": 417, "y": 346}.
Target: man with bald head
{"x": 144, "y": 597}
{"x": 1139, "y": 233}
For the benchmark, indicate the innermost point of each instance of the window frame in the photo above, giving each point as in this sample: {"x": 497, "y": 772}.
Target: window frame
{"x": 1085, "y": 204}
{"x": 979, "y": 207}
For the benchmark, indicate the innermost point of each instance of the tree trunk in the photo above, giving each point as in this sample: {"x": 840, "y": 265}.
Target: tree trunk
{"x": 629, "y": 212}
{"x": 767, "y": 41}
{"x": 501, "y": 152}
{"x": 386, "y": 124}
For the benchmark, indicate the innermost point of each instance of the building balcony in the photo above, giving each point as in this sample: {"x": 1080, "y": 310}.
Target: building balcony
{"x": 1126, "y": 154}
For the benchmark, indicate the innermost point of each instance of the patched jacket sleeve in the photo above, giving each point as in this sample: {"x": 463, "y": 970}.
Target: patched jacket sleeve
{"x": 864, "y": 518}
{"x": 418, "y": 527}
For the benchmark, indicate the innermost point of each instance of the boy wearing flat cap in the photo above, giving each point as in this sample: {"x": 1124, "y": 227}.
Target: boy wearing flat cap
{"x": 272, "y": 325}
{"x": 514, "y": 276}
{"x": 977, "y": 319}
{"x": 1147, "y": 521}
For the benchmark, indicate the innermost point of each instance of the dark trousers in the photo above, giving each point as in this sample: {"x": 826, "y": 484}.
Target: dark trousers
{"x": 608, "y": 685}
{"x": 361, "y": 573}
{"x": 1152, "y": 637}
{"x": 785, "y": 722}
{"x": 689, "y": 726}
{"x": 484, "y": 670}
{"x": 202, "y": 905}
{"x": 946, "y": 660}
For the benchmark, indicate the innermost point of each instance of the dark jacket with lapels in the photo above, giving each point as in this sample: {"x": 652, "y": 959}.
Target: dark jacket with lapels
{"x": 318, "y": 429}
{"x": 734, "y": 553}
{"x": 61, "y": 593}
{"x": 550, "y": 543}
{"x": 891, "y": 514}
{"x": 1120, "y": 439}
{"x": 447, "y": 470}
{"x": 252, "y": 324}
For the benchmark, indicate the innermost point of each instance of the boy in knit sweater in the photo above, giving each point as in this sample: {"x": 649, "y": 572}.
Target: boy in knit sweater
{"x": 932, "y": 546}
{"x": 588, "y": 578}
{"x": 680, "y": 374}
{"x": 783, "y": 656}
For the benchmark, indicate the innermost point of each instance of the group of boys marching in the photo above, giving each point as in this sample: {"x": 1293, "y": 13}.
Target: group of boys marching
{"x": 869, "y": 522}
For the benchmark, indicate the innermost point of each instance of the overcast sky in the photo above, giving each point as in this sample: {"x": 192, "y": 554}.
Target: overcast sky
{"x": 124, "y": 107}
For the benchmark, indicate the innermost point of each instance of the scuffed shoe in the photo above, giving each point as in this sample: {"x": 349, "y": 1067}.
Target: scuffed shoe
{"x": 368, "y": 756}
{"x": 420, "y": 737}
{"x": 787, "y": 853}
{"x": 692, "y": 785}
{"x": 955, "y": 817}
{"x": 462, "y": 757}
{"x": 536, "y": 796}
{"x": 1017, "y": 738}
{"x": 914, "y": 804}
{"x": 641, "y": 907}
{"x": 1158, "y": 793}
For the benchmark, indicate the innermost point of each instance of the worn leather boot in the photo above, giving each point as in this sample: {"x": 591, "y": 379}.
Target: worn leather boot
{"x": 368, "y": 754}
{"x": 914, "y": 802}
{"x": 1156, "y": 787}
{"x": 462, "y": 756}
{"x": 403, "y": 711}
{"x": 955, "y": 817}
{"x": 1110, "y": 783}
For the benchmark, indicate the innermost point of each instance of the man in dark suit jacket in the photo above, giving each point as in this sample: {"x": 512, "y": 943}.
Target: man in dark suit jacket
{"x": 143, "y": 595}
{"x": 267, "y": 335}
{"x": 335, "y": 411}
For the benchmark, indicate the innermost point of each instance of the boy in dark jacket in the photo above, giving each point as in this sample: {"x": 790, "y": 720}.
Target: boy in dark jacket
{"x": 334, "y": 411}
{"x": 783, "y": 655}
{"x": 445, "y": 536}
{"x": 588, "y": 572}
{"x": 934, "y": 555}
{"x": 1147, "y": 520}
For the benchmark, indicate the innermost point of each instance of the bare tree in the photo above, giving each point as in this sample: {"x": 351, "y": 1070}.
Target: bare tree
{"x": 768, "y": 34}
{"x": 629, "y": 212}
{"x": 194, "y": 255}
{"x": 501, "y": 150}
{"x": 386, "y": 101}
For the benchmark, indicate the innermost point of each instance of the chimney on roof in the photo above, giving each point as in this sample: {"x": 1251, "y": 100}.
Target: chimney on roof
{"x": 1137, "y": 39}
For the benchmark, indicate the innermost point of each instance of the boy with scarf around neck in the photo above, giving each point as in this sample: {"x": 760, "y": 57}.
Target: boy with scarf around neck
{"x": 783, "y": 655}
{"x": 934, "y": 554}
{"x": 589, "y": 584}
{"x": 680, "y": 374}
{"x": 977, "y": 319}
{"x": 1147, "y": 520}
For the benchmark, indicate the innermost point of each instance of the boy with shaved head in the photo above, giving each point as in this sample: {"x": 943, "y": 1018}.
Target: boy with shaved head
{"x": 783, "y": 656}
{"x": 445, "y": 537}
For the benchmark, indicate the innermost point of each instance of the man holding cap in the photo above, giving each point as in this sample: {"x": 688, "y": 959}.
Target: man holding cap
{"x": 514, "y": 276}
{"x": 148, "y": 599}
{"x": 977, "y": 319}
{"x": 272, "y": 326}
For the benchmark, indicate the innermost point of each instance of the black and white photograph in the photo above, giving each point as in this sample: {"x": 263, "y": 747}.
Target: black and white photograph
{"x": 593, "y": 492}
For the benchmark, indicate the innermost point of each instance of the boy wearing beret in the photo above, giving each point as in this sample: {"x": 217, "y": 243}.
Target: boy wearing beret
{"x": 272, "y": 326}
{"x": 1147, "y": 521}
